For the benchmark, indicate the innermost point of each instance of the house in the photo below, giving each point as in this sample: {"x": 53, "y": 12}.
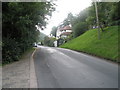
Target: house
{"x": 61, "y": 34}
{"x": 64, "y": 32}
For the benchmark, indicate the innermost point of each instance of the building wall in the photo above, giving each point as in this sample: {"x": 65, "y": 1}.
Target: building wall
{"x": 55, "y": 43}
{"x": 58, "y": 33}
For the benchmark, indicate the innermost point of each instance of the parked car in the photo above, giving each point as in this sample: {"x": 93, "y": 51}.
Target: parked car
{"x": 34, "y": 45}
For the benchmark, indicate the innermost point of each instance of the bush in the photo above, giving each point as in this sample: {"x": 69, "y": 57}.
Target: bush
{"x": 10, "y": 51}
{"x": 115, "y": 23}
{"x": 49, "y": 41}
{"x": 79, "y": 28}
{"x": 60, "y": 41}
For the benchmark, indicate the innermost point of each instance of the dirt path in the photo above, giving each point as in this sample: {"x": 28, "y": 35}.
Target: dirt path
{"x": 18, "y": 74}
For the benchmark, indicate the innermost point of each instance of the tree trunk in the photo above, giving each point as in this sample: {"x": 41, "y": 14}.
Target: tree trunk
{"x": 101, "y": 28}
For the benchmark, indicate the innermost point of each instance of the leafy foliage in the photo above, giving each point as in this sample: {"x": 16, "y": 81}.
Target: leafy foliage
{"x": 11, "y": 50}
{"x": 79, "y": 28}
{"x": 107, "y": 14}
{"x": 42, "y": 36}
{"x": 54, "y": 30}
{"x": 49, "y": 41}
{"x": 18, "y": 24}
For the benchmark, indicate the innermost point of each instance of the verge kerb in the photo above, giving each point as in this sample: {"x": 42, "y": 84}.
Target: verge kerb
{"x": 33, "y": 79}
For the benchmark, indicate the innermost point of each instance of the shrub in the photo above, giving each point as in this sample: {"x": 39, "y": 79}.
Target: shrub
{"x": 79, "y": 29}
{"x": 10, "y": 50}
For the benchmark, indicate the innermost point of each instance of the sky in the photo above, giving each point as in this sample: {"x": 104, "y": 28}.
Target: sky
{"x": 62, "y": 9}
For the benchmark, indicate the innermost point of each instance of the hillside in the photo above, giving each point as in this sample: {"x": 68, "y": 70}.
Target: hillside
{"x": 106, "y": 47}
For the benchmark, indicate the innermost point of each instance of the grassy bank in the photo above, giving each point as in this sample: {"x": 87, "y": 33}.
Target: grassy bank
{"x": 106, "y": 47}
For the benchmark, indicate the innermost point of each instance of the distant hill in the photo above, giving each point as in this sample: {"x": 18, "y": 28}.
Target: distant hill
{"x": 106, "y": 47}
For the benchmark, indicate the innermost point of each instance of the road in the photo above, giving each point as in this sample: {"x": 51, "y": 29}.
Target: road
{"x": 63, "y": 68}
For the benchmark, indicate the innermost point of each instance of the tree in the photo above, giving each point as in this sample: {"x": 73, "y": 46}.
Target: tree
{"x": 114, "y": 17}
{"x": 18, "y": 24}
{"x": 79, "y": 29}
{"x": 49, "y": 41}
{"x": 54, "y": 30}
{"x": 107, "y": 13}
{"x": 67, "y": 21}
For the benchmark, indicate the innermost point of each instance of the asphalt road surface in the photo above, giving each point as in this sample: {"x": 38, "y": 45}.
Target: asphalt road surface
{"x": 63, "y": 68}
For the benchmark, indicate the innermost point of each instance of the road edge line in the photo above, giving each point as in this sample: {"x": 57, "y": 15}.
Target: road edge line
{"x": 33, "y": 78}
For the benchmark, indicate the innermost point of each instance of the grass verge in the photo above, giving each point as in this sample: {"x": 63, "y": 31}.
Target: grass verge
{"x": 106, "y": 47}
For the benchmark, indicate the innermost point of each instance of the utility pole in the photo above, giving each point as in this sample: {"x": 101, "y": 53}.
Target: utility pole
{"x": 96, "y": 9}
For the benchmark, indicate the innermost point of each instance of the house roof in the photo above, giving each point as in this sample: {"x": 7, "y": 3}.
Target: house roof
{"x": 65, "y": 28}
{"x": 66, "y": 33}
